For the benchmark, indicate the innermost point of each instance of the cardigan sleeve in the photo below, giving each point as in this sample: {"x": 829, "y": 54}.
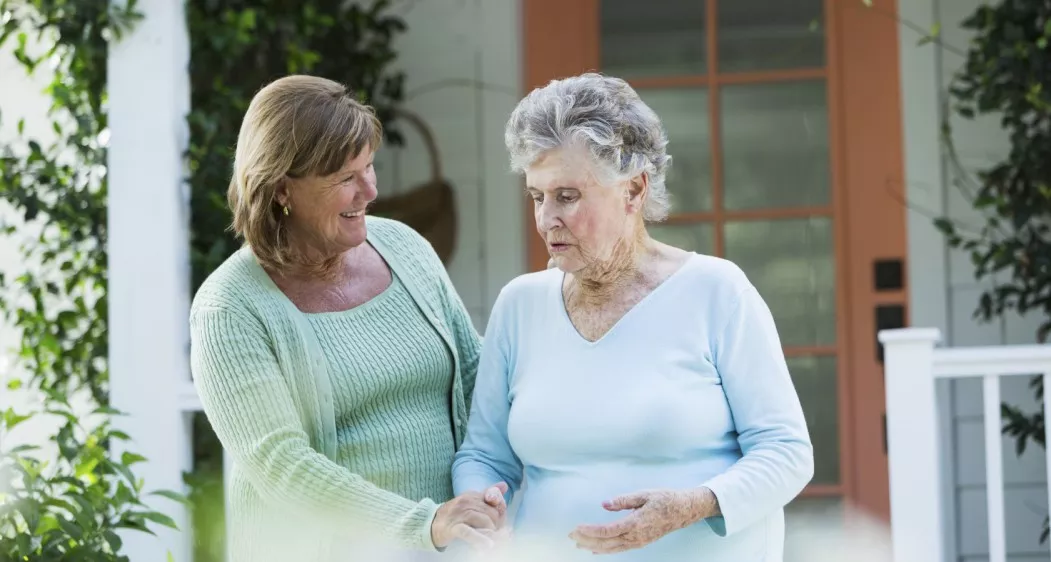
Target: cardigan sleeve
{"x": 252, "y": 411}
{"x": 777, "y": 457}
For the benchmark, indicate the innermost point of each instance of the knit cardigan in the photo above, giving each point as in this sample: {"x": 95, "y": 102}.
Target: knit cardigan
{"x": 264, "y": 386}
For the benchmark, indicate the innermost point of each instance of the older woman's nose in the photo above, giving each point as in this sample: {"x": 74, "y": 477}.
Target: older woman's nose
{"x": 546, "y": 217}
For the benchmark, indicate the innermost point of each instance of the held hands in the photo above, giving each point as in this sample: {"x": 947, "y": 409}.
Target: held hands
{"x": 476, "y": 518}
{"x": 655, "y": 513}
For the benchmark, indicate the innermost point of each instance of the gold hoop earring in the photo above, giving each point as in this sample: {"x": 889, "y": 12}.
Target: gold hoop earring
{"x": 285, "y": 210}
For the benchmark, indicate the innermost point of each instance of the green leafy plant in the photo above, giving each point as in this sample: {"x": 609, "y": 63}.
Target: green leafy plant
{"x": 1007, "y": 74}
{"x": 59, "y": 189}
{"x": 68, "y": 506}
{"x": 71, "y": 507}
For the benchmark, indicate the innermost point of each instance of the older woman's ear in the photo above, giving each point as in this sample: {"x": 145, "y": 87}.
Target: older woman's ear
{"x": 637, "y": 189}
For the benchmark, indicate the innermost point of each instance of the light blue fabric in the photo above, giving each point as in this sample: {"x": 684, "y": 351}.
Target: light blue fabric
{"x": 689, "y": 388}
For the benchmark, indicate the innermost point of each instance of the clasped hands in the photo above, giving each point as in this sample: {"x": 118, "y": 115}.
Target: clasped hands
{"x": 478, "y": 518}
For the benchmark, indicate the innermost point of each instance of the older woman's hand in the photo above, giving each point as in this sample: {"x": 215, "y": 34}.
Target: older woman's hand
{"x": 473, "y": 517}
{"x": 655, "y": 514}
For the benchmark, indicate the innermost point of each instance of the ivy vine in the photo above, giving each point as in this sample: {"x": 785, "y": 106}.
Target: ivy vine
{"x": 73, "y": 508}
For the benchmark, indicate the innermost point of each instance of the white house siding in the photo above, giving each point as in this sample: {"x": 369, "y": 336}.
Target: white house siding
{"x": 463, "y": 76}
{"x": 944, "y": 293}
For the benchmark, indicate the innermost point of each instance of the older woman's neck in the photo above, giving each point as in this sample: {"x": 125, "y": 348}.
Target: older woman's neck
{"x": 603, "y": 281}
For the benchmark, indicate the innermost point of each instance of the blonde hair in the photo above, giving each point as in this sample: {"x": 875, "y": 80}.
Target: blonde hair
{"x": 295, "y": 127}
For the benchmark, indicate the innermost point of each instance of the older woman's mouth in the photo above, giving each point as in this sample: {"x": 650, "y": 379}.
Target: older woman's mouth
{"x": 557, "y": 247}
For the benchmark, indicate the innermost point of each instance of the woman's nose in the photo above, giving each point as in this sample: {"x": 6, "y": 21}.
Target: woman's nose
{"x": 546, "y": 217}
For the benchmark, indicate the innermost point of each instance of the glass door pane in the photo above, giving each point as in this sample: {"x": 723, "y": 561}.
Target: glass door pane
{"x": 815, "y": 381}
{"x": 775, "y": 145}
{"x": 790, "y": 262}
{"x": 770, "y": 35}
{"x": 684, "y": 113}
{"x": 652, "y": 38}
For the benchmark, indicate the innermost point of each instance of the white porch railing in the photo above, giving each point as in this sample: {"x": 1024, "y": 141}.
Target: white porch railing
{"x": 912, "y": 365}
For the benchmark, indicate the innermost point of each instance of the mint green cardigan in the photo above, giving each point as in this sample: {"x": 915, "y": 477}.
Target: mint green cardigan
{"x": 263, "y": 382}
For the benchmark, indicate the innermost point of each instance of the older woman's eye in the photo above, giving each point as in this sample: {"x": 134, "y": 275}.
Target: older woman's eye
{"x": 567, "y": 198}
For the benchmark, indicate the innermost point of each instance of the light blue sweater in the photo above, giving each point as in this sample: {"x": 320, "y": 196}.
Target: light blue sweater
{"x": 689, "y": 388}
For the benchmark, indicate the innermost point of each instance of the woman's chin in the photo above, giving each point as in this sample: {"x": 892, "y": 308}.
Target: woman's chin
{"x": 353, "y": 234}
{"x": 563, "y": 263}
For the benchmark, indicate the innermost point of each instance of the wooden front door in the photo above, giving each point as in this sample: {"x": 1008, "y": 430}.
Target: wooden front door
{"x": 785, "y": 131}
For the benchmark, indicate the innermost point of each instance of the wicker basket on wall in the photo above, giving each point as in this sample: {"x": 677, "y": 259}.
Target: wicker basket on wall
{"x": 428, "y": 208}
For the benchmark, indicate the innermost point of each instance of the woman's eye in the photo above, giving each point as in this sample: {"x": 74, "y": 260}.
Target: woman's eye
{"x": 567, "y": 198}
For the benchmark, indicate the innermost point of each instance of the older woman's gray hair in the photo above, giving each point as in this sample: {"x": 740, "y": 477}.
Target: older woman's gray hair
{"x": 606, "y": 117}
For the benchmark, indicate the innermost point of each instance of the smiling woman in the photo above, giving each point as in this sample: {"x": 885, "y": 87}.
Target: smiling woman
{"x": 332, "y": 355}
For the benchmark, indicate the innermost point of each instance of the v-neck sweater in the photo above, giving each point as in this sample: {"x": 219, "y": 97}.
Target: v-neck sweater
{"x": 689, "y": 388}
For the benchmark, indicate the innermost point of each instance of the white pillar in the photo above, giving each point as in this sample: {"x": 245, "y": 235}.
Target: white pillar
{"x": 149, "y": 97}
{"x": 912, "y": 445}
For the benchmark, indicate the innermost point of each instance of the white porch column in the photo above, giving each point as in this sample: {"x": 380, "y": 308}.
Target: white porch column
{"x": 912, "y": 445}
{"x": 149, "y": 97}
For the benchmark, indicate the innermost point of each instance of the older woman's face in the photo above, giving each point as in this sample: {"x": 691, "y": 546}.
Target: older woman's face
{"x": 329, "y": 212}
{"x": 581, "y": 220}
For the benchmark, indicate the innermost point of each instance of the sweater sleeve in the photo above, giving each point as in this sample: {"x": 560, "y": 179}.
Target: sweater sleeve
{"x": 250, "y": 407}
{"x": 486, "y": 457}
{"x": 777, "y": 457}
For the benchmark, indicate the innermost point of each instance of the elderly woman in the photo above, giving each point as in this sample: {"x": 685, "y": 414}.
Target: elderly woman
{"x": 332, "y": 356}
{"x": 642, "y": 388}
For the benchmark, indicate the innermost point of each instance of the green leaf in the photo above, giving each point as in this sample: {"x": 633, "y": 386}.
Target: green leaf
{"x": 86, "y": 515}
{"x": 114, "y": 540}
{"x": 12, "y": 419}
{"x": 171, "y": 496}
{"x": 128, "y": 458}
{"x": 72, "y": 529}
{"x": 160, "y": 518}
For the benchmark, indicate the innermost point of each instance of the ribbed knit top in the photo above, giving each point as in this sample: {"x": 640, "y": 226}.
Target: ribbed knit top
{"x": 340, "y": 426}
{"x": 401, "y": 409}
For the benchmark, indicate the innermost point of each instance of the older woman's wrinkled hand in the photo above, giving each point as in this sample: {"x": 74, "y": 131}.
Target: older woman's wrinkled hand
{"x": 477, "y": 518}
{"x": 654, "y": 514}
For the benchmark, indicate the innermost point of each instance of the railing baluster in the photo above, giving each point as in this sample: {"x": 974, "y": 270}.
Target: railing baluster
{"x": 994, "y": 468}
{"x": 1047, "y": 409}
